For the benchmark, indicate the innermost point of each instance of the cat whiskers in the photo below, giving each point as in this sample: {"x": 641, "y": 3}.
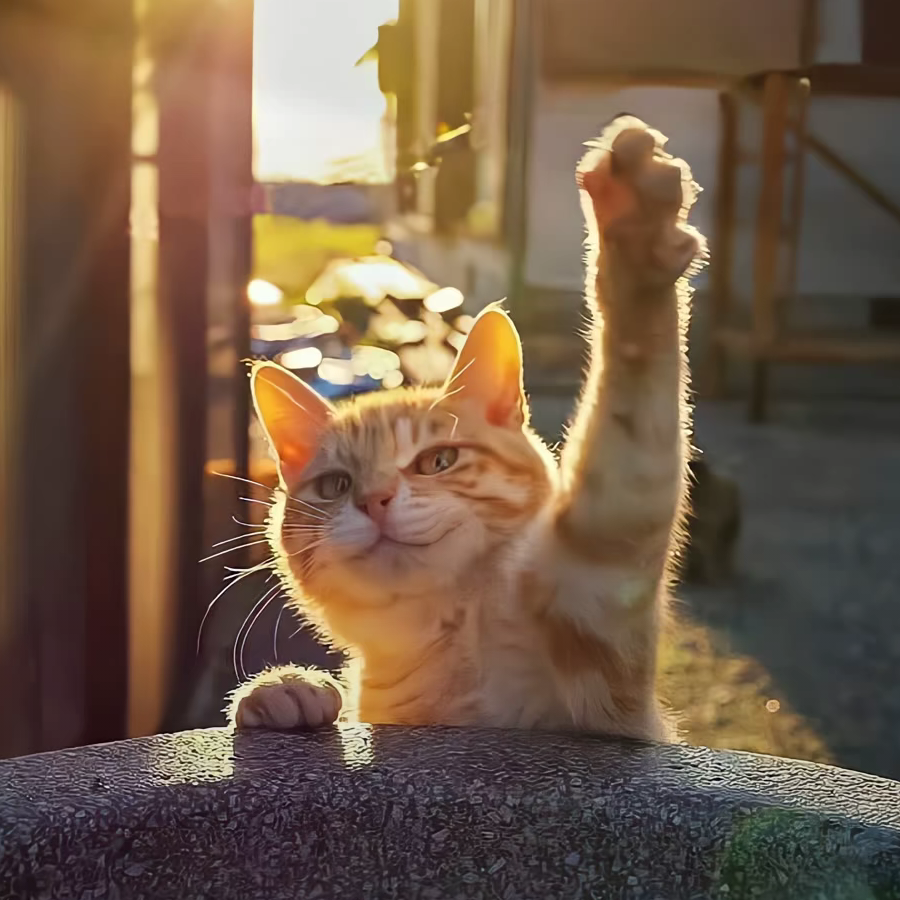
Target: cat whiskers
{"x": 269, "y": 503}
{"x": 259, "y": 537}
{"x": 308, "y": 548}
{"x": 460, "y": 372}
{"x": 264, "y": 540}
{"x": 252, "y": 617}
{"x": 309, "y": 509}
{"x": 446, "y": 396}
{"x": 239, "y": 537}
{"x": 275, "y": 634}
{"x": 233, "y": 578}
{"x": 268, "y": 489}
{"x": 306, "y": 554}
{"x": 237, "y": 521}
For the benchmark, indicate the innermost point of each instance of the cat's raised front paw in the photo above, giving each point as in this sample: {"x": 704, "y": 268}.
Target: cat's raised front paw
{"x": 286, "y": 699}
{"x": 640, "y": 197}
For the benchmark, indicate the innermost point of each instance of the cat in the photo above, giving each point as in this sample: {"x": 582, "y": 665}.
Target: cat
{"x": 470, "y": 576}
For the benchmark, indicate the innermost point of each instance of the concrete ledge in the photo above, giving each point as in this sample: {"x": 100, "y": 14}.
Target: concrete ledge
{"x": 393, "y": 812}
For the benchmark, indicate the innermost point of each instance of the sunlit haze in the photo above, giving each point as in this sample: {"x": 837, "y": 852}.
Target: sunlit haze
{"x": 313, "y": 108}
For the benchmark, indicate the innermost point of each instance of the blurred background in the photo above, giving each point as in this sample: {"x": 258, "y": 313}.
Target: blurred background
{"x": 340, "y": 185}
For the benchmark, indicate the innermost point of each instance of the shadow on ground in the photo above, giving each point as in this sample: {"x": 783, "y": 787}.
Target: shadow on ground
{"x": 815, "y": 599}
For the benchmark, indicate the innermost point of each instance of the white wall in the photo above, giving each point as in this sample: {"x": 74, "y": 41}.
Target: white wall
{"x": 563, "y": 120}
{"x": 849, "y": 247}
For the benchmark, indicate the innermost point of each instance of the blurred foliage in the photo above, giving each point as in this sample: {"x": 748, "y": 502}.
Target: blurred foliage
{"x": 291, "y": 253}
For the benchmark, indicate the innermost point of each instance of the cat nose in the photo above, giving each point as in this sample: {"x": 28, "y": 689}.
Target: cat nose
{"x": 376, "y": 504}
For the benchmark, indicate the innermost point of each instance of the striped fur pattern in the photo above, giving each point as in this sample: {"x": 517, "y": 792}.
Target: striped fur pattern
{"x": 472, "y": 577}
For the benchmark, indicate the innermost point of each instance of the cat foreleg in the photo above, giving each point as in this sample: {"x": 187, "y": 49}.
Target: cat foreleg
{"x": 623, "y": 468}
{"x": 624, "y": 463}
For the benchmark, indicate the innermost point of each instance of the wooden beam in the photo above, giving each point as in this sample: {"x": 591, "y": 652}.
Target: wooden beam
{"x": 776, "y": 101}
{"x": 722, "y": 245}
{"x": 814, "y": 349}
{"x": 841, "y": 80}
{"x": 854, "y": 176}
{"x": 67, "y": 357}
{"x": 835, "y": 161}
{"x": 794, "y": 229}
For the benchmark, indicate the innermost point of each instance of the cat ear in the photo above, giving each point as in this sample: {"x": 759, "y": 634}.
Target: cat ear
{"x": 292, "y": 414}
{"x": 488, "y": 370}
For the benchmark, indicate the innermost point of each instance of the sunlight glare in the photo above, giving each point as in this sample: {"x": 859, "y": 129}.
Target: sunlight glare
{"x": 301, "y": 358}
{"x": 337, "y": 371}
{"x": 444, "y": 300}
{"x": 313, "y": 107}
{"x": 392, "y": 380}
{"x": 264, "y": 293}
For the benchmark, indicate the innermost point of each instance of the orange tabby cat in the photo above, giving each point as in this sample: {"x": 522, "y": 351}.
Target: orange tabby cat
{"x": 471, "y": 578}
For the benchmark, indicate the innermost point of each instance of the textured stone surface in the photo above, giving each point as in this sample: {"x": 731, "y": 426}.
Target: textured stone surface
{"x": 447, "y": 813}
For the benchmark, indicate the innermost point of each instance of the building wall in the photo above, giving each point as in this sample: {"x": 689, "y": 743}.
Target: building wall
{"x": 847, "y": 251}
{"x": 848, "y": 246}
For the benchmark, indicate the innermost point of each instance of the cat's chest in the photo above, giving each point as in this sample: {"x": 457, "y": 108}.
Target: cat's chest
{"x": 518, "y": 687}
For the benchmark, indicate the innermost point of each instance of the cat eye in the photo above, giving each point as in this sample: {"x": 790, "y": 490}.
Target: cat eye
{"x": 332, "y": 485}
{"x": 433, "y": 462}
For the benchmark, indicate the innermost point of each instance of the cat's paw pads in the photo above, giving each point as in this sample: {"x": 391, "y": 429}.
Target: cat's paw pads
{"x": 640, "y": 196}
{"x": 284, "y": 702}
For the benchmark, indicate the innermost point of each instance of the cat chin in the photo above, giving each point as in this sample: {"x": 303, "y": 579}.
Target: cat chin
{"x": 402, "y": 568}
{"x": 378, "y": 578}
{"x": 390, "y": 555}
{"x": 374, "y": 565}
{"x": 387, "y": 542}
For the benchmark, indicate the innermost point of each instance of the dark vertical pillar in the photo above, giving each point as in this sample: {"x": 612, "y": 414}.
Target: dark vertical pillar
{"x": 232, "y": 194}
{"x": 455, "y": 180}
{"x": 722, "y": 249}
{"x": 523, "y": 79}
{"x": 182, "y": 49}
{"x": 17, "y": 647}
{"x": 203, "y": 52}
{"x": 104, "y": 324}
{"x": 398, "y": 74}
{"x": 69, "y": 68}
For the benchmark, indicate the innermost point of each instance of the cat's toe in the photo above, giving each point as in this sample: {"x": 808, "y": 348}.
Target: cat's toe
{"x": 285, "y": 705}
{"x": 640, "y": 196}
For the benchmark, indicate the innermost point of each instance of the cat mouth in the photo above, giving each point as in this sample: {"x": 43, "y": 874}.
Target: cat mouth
{"x": 387, "y": 541}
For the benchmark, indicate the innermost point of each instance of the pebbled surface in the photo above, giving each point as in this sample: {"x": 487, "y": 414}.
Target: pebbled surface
{"x": 439, "y": 812}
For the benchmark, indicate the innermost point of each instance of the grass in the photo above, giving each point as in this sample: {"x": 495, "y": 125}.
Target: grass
{"x": 728, "y": 700}
{"x": 291, "y": 253}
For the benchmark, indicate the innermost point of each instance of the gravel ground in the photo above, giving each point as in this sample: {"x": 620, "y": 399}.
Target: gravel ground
{"x": 815, "y": 602}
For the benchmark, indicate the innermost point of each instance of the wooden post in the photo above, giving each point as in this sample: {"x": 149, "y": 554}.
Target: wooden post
{"x": 769, "y": 215}
{"x": 69, "y": 73}
{"x": 180, "y": 35}
{"x": 18, "y": 665}
{"x": 203, "y": 53}
{"x": 794, "y": 230}
{"x": 722, "y": 249}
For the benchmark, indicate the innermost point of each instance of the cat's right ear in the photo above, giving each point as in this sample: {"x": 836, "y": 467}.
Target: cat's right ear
{"x": 292, "y": 414}
{"x": 488, "y": 371}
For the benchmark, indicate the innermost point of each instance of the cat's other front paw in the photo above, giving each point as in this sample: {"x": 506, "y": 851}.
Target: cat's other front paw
{"x": 639, "y": 198}
{"x": 286, "y": 699}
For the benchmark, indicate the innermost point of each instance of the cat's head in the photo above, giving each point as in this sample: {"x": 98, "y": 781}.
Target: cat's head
{"x": 407, "y": 491}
